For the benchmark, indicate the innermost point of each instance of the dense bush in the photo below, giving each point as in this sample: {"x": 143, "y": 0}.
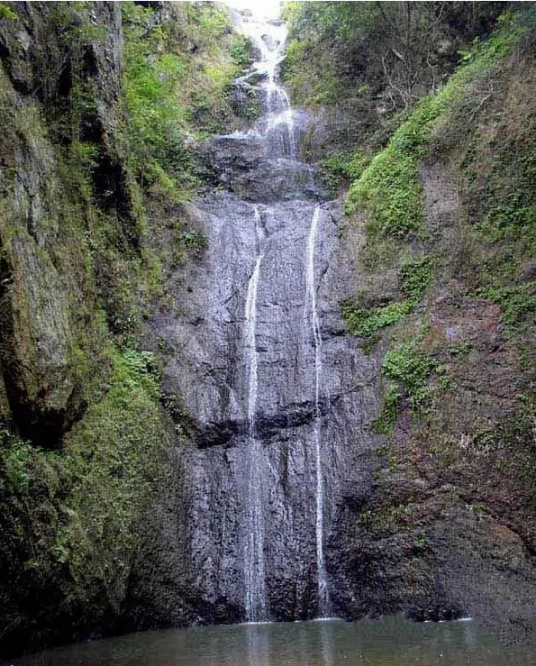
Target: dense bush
{"x": 393, "y": 49}
{"x": 178, "y": 72}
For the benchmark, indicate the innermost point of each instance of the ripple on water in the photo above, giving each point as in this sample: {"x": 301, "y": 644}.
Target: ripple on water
{"x": 391, "y": 641}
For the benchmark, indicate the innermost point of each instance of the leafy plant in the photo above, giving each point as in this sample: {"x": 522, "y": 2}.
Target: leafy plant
{"x": 366, "y": 321}
{"x": 241, "y": 50}
{"x": 517, "y": 303}
{"x": 195, "y": 241}
{"x": 407, "y": 369}
{"x": 7, "y": 13}
{"x": 340, "y": 168}
{"x": 410, "y": 368}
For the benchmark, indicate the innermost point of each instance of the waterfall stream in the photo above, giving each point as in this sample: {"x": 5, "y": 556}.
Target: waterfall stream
{"x": 275, "y": 392}
{"x": 254, "y": 570}
{"x": 277, "y": 128}
{"x": 310, "y": 302}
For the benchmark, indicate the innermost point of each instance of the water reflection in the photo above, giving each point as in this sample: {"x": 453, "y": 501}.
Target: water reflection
{"x": 327, "y": 643}
{"x": 388, "y": 642}
{"x": 258, "y": 646}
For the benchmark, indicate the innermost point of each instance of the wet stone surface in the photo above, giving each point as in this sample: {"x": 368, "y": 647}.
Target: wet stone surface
{"x": 251, "y": 490}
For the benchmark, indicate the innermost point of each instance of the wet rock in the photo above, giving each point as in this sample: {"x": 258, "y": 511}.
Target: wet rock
{"x": 240, "y": 165}
{"x": 208, "y": 372}
{"x": 245, "y": 99}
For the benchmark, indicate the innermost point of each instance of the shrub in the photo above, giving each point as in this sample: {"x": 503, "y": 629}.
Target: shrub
{"x": 407, "y": 369}
{"x": 517, "y": 303}
{"x": 365, "y": 321}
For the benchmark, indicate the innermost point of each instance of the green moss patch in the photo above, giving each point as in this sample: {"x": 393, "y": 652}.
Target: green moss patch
{"x": 518, "y": 304}
{"x": 407, "y": 368}
{"x": 389, "y": 188}
{"x": 71, "y": 518}
{"x": 415, "y": 277}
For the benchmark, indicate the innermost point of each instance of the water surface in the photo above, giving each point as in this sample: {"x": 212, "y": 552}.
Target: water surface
{"x": 387, "y": 642}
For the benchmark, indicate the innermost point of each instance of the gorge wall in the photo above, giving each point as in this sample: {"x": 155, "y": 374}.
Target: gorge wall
{"x": 282, "y": 417}
{"x": 230, "y": 390}
{"x": 441, "y": 218}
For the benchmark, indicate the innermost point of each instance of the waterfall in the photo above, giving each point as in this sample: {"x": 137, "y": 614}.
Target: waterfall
{"x": 250, "y": 317}
{"x": 278, "y": 116}
{"x": 254, "y": 570}
{"x": 310, "y": 302}
{"x": 276, "y": 127}
{"x": 261, "y": 486}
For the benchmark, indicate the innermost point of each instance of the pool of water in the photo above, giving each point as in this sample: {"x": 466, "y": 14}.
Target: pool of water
{"x": 388, "y": 642}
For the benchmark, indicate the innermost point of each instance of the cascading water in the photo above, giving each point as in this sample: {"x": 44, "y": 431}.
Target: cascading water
{"x": 276, "y": 125}
{"x": 254, "y": 570}
{"x": 279, "y": 439}
{"x": 279, "y": 115}
{"x": 314, "y": 323}
{"x": 249, "y": 337}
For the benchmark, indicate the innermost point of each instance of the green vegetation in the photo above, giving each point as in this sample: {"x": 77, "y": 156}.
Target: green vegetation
{"x": 241, "y": 50}
{"x": 415, "y": 277}
{"x": 390, "y": 188}
{"x": 517, "y": 303}
{"x": 368, "y": 48}
{"x": 410, "y": 367}
{"x": 407, "y": 368}
{"x": 365, "y": 63}
{"x": 388, "y": 452}
{"x": 459, "y": 350}
{"x": 366, "y": 321}
{"x": 186, "y": 245}
{"x": 79, "y": 508}
{"x": 383, "y": 425}
{"x": 339, "y": 169}
{"x": 7, "y": 13}
{"x": 497, "y": 205}
{"x": 174, "y": 94}
{"x": 383, "y": 517}
{"x": 195, "y": 240}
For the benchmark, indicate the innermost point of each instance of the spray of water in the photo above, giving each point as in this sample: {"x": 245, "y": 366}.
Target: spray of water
{"x": 314, "y": 322}
{"x": 254, "y": 565}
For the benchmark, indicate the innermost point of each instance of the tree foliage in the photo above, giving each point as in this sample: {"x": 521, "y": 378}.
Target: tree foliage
{"x": 396, "y": 49}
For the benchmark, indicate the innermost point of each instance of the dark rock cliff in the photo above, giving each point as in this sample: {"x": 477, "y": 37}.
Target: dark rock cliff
{"x": 77, "y": 461}
{"x": 134, "y": 463}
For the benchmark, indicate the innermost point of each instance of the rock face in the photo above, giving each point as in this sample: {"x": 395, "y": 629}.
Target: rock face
{"x": 256, "y": 488}
{"x": 61, "y": 102}
{"x": 42, "y": 268}
{"x": 283, "y": 481}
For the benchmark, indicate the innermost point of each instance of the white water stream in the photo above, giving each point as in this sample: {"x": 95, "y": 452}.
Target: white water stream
{"x": 277, "y": 128}
{"x": 254, "y": 567}
{"x": 314, "y": 323}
